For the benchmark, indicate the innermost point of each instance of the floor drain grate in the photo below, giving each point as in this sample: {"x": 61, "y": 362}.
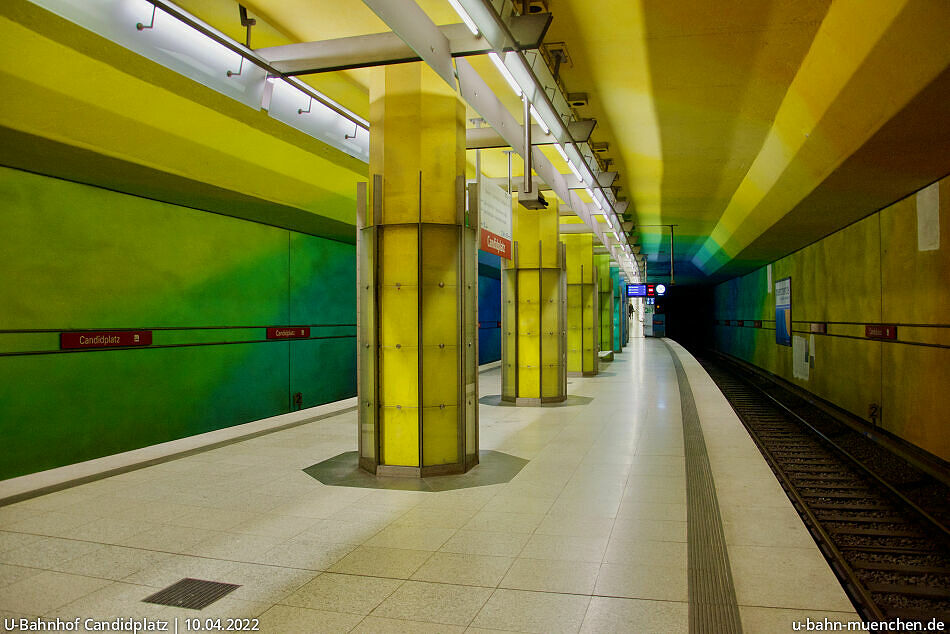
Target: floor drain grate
{"x": 194, "y": 594}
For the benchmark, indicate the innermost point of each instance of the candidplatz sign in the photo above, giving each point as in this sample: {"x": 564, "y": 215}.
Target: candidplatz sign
{"x": 494, "y": 213}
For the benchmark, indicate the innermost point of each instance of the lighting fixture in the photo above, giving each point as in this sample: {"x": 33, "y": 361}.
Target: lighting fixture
{"x": 466, "y": 18}
{"x": 590, "y": 192}
{"x": 537, "y": 119}
{"x": 599, "y": 206}
{"x": 560, "y": 150}
{"x": 573, "y": 169}
{"x": 500, "y": 65}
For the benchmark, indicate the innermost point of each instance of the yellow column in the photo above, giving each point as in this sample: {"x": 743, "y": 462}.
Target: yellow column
{"x": 534, "y": 302}
{"x": 418, "y": 388}
{"x": 583, "y": 329}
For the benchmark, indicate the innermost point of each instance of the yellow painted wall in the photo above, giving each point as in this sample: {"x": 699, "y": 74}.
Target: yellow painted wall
{"x": 869, "y": 272}
{"x": 80, "y": 91}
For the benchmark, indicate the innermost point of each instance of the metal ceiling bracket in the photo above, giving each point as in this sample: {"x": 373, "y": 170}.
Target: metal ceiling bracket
{"x": 141, "y": 27}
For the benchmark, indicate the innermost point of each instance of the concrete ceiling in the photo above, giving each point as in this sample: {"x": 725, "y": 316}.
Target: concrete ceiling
{"x": 756, "y": 127}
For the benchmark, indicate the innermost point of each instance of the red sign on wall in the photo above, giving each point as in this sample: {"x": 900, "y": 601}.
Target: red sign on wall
{"x": 820, "y": 328}
{"x": 288, "y": 332}
{"x": 104, "y": 339}
{"x": 758, "y": 323}
{"x": 493, "y": 243}
{"x": 880, "y": 331}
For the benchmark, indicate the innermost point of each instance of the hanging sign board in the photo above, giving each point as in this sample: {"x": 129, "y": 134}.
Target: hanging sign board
{"x": 494, "y": 219}
{"x": 783, "y": 311}
{"x": 104, "y": 339}
{"x": 646, "y": 290}
{"x": 636, "y": 290}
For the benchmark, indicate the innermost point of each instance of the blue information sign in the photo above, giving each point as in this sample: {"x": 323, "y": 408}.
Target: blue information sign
{"x": 646, "y": 290}
{"x": 783, "y": 312}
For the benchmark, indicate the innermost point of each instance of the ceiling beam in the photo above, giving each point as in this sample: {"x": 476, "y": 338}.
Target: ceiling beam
{"x": 570, "y": 181}
{"x": 381, "y": 49}
{"x": 487, "y": 138}
{"x": 576, "y": 227}
{"x": 413, "y": 26}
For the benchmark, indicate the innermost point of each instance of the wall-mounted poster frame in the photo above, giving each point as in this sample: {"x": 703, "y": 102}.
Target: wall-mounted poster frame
{"x": 783, "y": 311}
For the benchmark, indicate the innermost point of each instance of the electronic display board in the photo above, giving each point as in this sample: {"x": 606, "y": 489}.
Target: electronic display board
{"x": 646, "y": 290}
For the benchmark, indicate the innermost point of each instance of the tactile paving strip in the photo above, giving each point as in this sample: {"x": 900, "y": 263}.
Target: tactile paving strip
{"x": 194, "y": 594}
{"x": 712, "y": 595}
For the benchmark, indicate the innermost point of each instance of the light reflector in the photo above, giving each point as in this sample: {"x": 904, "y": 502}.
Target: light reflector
{"x": 466, "y": 18}
{"x": 500, "y": 65}
{"x": 537, "y": 119}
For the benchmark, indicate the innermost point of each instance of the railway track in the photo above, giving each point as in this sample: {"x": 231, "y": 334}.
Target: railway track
{"x": 880, "y": 522}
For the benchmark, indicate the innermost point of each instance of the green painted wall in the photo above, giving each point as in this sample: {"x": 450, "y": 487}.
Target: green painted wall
{"x": 869, "y": 272}
{"x": 80, "y": 257}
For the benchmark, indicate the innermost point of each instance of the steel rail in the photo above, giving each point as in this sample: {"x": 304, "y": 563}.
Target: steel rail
{"x": 825, "y": 542}
{"x": 927, "y": 517}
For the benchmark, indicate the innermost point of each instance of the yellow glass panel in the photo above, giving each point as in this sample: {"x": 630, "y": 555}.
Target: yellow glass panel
{"x": 440, "y": 316}
{"x": 529, "y": 378}
{"x": 440, "y": 436}
{"x": 398, "y": 263}
{"x": 399, "y": 377}
{"x": 400, "y": 436}
{"x": 440, "y": 252}
{"x": 440, "y": 382}
{"x": 398, "y": 323}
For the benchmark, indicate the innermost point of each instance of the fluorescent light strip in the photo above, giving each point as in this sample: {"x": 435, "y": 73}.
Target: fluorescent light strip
{"x": 573, "y": 169}
{"x": 500, "y": 65}
{"x": 560, "y": 150}
{"x": 537, "y": 118}
{"x": 466, "y": 18}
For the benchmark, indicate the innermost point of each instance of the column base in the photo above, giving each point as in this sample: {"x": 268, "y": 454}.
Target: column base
{"x": 584, "y": 373}
{"x": 522, "y": 401}
{"x": 395, "y": 471}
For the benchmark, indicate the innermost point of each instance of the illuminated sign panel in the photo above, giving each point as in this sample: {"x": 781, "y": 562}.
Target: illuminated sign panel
{"x": 646, "y": 290}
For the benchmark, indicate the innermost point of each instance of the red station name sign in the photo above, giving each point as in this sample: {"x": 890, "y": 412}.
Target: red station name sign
{"x": 493, "y": 243}
{"x": 104, "y": 339}
{"x": 289, "y": 332}
{"x": 880, "y": 331}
